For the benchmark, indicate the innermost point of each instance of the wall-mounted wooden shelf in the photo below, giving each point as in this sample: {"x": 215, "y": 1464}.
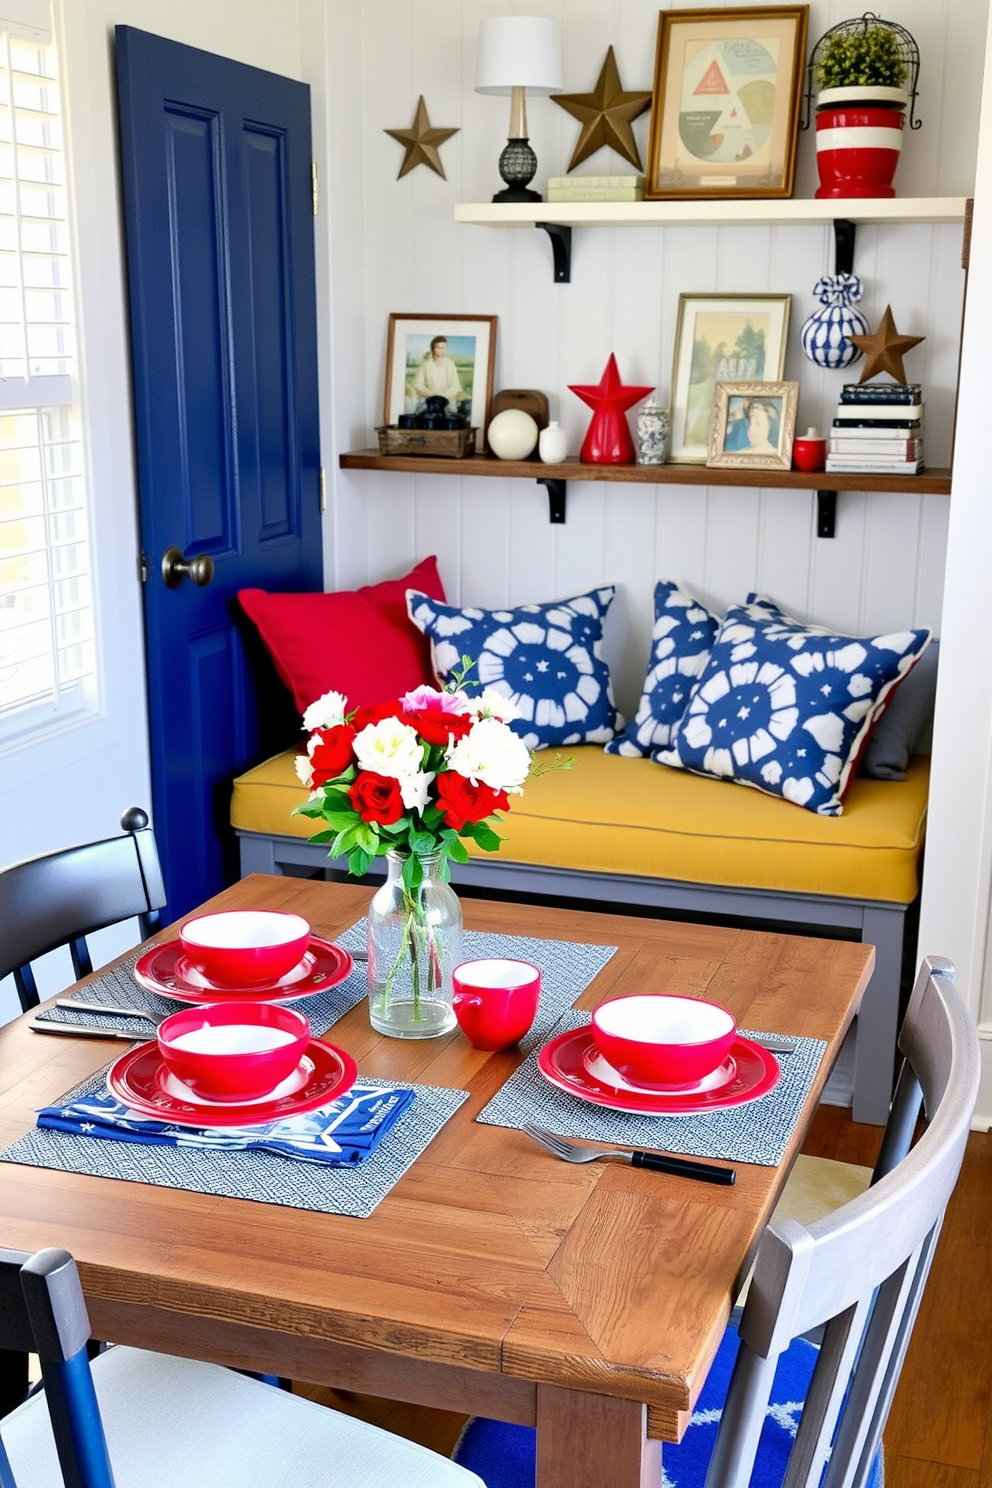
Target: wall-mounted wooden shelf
{"x": 935, "y": 482}
{"x": 558, "y": 218}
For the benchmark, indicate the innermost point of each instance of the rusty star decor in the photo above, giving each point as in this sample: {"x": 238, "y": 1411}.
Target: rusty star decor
{"x": 608, "y": 439}
{"x": 884, "y": 349}
{"x": 420, "y": 142}
{"x": 605, "y": 115}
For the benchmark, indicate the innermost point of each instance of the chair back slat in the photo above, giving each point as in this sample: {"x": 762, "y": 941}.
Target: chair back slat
{"x": 859, "y": 1272}
{"x": 60, "y": 898}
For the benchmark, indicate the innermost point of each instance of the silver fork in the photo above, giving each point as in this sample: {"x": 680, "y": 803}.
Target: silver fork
{"x": 583, "y": 1152}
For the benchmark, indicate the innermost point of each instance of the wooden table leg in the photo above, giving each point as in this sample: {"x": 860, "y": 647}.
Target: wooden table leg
{"x": 593, "y": 1441}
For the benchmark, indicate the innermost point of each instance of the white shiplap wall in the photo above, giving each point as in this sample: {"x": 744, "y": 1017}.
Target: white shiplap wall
{"x": 395, "y": 247}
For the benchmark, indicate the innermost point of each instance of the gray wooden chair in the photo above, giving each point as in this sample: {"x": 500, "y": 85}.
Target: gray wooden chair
{"x": 61, "y": 897}
{"x": 145, "y": 1420}
{"x": 860, "y": 1272}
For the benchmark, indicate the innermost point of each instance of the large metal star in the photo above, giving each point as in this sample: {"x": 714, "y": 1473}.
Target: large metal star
{"x": 884, "y": 349}
{"x": 605, "y": 115}
{"x": 420, "y": 142}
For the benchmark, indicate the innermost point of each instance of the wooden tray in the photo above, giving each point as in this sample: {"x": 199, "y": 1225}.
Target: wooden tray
{"x": 454, "y": 443}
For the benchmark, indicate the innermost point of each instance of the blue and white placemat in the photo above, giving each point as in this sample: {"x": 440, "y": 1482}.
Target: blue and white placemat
{"x": 264, "y": 1177}
{"x": 567, "y": 968}
{"x": 758, "y": 1132}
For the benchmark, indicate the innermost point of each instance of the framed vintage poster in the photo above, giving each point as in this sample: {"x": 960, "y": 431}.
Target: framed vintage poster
{"x": 721, "y": 338}
{"x": 727, "y": 93}
{"x": 440, "y": 356}
{"x": 753, "y": 425}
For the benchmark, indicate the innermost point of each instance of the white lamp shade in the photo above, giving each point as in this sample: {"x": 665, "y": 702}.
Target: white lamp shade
{"x": 518, "y": 52}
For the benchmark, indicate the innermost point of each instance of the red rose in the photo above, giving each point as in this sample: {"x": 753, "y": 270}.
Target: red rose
{"x": 377, "y": 798}
{"x": 436, "y": 727}
{"x": 462, "y": 802}
{"x": 332, "y": 755}
{"x": 374, "y": 713}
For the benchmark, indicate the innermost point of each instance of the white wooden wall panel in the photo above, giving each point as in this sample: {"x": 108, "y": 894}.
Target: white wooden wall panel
{"x": 405, "y": 253}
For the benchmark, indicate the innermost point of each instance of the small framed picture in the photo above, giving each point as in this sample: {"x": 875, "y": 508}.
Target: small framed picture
{"x": 727, "y": 93}
{"x": 753, "y": 425}
{"x": 435, "y": 357}
{"x": 721, "y": 338}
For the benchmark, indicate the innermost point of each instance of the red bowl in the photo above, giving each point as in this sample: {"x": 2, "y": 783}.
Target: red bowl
{"x": 242, "y": 947}
{"x": 233, "y": 1051}
{"x": 656, "y": 1040}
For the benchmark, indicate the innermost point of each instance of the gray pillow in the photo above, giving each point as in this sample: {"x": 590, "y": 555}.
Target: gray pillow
{"x": 906, "y": 723}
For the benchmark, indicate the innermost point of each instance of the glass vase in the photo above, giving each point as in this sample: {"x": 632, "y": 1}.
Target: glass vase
{"x": 415, "y": 940}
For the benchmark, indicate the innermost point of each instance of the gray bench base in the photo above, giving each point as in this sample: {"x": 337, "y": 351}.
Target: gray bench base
{"x": 875, "y": 922}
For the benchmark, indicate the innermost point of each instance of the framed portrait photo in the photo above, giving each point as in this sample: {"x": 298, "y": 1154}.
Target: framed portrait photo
{"x": 721, "y": 338}
{"x": 754, "y": 424}
{"x": 449, "y": 357}
{"x": 727, "y": 94}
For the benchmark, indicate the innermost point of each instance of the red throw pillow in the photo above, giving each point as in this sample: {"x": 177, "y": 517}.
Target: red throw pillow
{"x": 360, "y": 642}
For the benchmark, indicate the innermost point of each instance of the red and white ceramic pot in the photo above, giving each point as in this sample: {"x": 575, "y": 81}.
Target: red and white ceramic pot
{"x": 858, "y": 139}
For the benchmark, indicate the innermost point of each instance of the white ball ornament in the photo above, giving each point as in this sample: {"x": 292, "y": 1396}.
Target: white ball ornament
{"x": 513, "y": 434}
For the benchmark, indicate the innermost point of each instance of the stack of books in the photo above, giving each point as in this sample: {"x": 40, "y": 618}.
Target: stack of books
{"x": 878, "y": 429}
{"x": 595, "y": 188}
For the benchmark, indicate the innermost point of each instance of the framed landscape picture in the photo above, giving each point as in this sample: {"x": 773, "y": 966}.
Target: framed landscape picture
{"x": 721, "y": 338}
{"x": 727, "y": 93}
{"x": 753, "y": 425}
{"x": 440, "y": 356}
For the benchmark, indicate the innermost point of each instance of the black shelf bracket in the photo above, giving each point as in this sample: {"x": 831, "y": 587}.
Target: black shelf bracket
{"x": 844, "y": 231}
{"x": 556, "y": 496}
{"x": 826, "y": 513}
{"x": 561, "y": 247}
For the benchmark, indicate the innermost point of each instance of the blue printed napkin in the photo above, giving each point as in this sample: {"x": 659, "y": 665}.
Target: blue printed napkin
{"x": 341, "y": 1134}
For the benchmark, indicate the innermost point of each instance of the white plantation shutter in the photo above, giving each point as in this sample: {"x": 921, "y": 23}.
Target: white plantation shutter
{"x": 47, "y": 658}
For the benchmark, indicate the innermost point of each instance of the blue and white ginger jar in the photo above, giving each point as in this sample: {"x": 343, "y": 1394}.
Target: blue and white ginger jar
{"x": 825, "y": 334}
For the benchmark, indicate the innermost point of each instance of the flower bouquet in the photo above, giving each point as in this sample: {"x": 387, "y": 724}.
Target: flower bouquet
{"x": 412, "y": 779}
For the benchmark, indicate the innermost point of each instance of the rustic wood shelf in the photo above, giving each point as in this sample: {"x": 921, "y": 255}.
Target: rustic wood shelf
{"x": 933, "y": 482}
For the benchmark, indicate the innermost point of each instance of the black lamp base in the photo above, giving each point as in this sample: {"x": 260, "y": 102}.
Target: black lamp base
{"x": 517, "y": 166}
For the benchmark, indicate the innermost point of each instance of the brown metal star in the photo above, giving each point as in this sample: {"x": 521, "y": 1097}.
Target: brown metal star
{"x": 420, "y": 142}
{"x": 605, "y": 115}
{"x": 884, "y": 349}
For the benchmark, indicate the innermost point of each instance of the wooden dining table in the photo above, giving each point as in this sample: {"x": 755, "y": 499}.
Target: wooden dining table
{"x": 493, "y": 1279}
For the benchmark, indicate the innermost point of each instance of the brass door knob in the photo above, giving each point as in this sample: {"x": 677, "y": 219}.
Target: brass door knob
{"x": 175, "y": 568}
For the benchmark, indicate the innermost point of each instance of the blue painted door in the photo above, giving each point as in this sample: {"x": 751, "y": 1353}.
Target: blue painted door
{"x": 218, "y": 211}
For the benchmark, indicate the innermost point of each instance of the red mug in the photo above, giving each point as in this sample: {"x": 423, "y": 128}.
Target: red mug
{"x": 495, "y": 1001}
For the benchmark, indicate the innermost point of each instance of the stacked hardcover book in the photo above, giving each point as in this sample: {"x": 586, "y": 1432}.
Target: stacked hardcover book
{"x": 878, "y": 429}
{"x": 595, "y": 188}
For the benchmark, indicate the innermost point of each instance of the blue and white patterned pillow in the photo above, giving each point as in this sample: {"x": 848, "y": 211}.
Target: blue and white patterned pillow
{"x": 684, "y": 630}
{"x": 548, "y": 658}
{"x": 785, "y": 707}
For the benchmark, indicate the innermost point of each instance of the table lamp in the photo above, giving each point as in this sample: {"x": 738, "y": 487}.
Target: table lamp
{"x": 517, "y": 53}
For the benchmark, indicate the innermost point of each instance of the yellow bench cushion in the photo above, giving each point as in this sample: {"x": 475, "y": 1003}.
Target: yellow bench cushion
{"x": 613, "y": 815}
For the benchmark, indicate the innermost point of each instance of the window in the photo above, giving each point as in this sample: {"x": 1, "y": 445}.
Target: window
{"x": 47, "y": 654}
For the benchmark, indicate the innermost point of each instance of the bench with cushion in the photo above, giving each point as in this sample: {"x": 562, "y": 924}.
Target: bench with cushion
{"x": 627, "y": 831}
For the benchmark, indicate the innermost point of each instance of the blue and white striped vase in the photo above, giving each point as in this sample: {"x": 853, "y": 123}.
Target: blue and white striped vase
{"x": 825, "y": 333}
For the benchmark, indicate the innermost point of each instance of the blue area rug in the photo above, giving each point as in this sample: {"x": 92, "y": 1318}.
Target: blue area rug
{"x": 504, "y": 1456}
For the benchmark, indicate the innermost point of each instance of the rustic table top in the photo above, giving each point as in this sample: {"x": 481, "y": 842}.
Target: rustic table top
{"x": 491, "y": 1270}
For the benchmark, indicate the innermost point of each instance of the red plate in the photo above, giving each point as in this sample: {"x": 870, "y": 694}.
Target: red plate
{"x": 564, "y": 1063}
{"x": 165, "y": 969}
{"x": 140, "y": 1081}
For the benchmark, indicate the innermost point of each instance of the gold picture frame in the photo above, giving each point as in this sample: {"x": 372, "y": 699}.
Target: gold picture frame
{"x": 727, "y": 95}
{"x": 754, "y": 424}
{"x": 721, "y": 338}
{"x": 471, "y": 349}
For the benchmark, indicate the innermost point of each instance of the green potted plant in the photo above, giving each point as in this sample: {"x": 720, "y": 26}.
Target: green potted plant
{"x": 859, "y": 69}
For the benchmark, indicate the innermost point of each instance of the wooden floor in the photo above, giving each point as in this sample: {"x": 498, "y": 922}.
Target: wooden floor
{"x": 938, "y": 1434}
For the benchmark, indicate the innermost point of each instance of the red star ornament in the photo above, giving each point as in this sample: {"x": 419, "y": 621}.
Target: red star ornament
{"x": 608, "y": 438}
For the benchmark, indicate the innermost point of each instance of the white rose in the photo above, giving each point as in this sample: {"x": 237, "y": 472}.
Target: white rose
{"x": 492, "y": 753}
{"x": 302, "y": 763}
{"x": 325, "y": 712}
{"x": 414, "y": 789}
{"x": 389, "y": 747}
{"x": 493, "y": 704}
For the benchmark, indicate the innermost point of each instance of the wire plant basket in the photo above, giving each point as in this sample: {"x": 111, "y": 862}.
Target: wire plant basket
{"x": 906, "y": 49}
